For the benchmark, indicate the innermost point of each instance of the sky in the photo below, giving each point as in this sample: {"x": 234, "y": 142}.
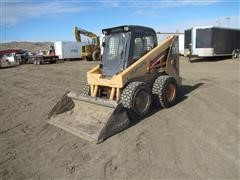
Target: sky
{"x": 54, "y": 20}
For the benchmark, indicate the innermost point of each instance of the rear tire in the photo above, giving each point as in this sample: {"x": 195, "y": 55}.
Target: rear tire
{"x": 165, "y": 89}
{"x": 17, "y": 63}
{"x": 38, "y": 61}
{"x": 53, "y": 62}
{"x": 96, "y": 55}
{"x": 87, "y": 58}
{"x": 236, "y": 54}
{"x": 137, "y": 98}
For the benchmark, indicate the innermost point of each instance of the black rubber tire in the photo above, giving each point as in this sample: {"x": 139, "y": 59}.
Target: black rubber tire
{"x": 21, "y": 62}
{"x": 96, "y": 55}
{"x": 87, "y": 58}
{"x": 234, "y": 54}
{"x": 53, "y": 62}
{"x": 129, "y": 98}
{"x": 17, "y": 62}
{"x": 34, "y": 61}
{"x": 38, "y": 62}
{"x": 159, "y": 90}
{"x": 86, "y": 90}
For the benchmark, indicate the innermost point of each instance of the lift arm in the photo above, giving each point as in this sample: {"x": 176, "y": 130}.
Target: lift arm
{"x": 78, "y": 31}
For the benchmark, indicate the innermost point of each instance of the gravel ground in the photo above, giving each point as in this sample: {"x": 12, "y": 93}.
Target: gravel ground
{"x": 197, "y": 138}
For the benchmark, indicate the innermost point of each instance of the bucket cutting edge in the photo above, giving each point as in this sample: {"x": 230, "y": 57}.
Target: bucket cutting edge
{"x": 92, "y": 119}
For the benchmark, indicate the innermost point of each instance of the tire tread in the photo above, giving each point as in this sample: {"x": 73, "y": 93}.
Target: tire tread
{"x": 159, "y": 90}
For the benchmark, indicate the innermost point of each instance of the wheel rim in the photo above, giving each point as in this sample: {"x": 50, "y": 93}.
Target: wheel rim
{"x": 142, "y": 100}
{"x": 234, "y": 55}
{"x": 96, "y": 55}
{"x": 170, "y": 92}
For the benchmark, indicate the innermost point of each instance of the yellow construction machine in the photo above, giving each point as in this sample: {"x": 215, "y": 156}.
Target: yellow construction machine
{"x": 92, "y": 51}
{"x": 134, "y": 71}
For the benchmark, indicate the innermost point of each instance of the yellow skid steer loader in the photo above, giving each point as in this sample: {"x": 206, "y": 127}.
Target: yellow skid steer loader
{"x": 133, "y": 71}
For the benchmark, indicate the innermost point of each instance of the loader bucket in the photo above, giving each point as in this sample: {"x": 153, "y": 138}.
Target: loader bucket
{"x": 92, "y": 119}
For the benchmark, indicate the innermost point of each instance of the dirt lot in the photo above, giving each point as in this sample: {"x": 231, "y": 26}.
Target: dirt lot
{"x": 197, "y": 138}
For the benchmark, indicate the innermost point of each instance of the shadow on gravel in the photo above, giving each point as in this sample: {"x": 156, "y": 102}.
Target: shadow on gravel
{"x": 186, "y": 89}
{"x": 121, "y": 119}
{"x": 210, "y": 59}
{"x": 182, "y": 95}
{"x": 183, "y": 92}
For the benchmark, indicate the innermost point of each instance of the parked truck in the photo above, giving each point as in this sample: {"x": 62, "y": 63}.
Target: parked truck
{"x": 10, "y": 60}
{"x": 210, "y": 41}
{"x": 45, "y": 56}
{"x": 13, "y": 57}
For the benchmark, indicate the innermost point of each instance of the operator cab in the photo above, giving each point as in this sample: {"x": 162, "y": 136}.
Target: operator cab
{"x": 123, "y": 45}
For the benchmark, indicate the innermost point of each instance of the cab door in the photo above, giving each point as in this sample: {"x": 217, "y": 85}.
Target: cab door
{"x": 114, "y": 54}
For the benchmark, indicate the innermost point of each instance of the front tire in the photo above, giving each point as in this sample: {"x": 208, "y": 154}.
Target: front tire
{"x": 137, "y": 98}
{"x": 165, "y": 89}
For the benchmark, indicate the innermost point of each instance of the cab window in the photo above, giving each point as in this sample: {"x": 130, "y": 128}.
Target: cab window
{"x": 115, "y": 48}
{"x": 142, "y": 44}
